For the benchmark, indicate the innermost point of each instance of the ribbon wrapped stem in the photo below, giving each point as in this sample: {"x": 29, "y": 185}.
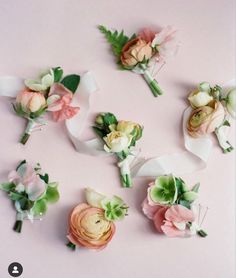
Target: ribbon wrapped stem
{"x": 29, "y": 128}
{"x": 152, "y": 83}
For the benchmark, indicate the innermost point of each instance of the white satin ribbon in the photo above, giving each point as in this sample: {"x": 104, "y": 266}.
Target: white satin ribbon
{"x": 195, "y": 158}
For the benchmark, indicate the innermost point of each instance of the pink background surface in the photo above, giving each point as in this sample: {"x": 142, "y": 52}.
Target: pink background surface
{"x": 39, "y": 34}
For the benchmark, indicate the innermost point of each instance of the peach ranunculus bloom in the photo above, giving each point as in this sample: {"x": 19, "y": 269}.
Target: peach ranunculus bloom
{"x": 206, "y": 119}
{"x": 89, "y": 228}
{"x": 31, "y": 101}
{"x": 135, "y": 51}
{"x": 172, "y": 221}
{"x": 59, "y": 100}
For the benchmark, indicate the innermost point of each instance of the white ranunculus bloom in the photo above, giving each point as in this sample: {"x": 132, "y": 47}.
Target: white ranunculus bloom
{"x": 199, "y": 98}
{"x": 231, "y": 102}
{"x": 43, "y": 84}
{"x": 117, "y": 141}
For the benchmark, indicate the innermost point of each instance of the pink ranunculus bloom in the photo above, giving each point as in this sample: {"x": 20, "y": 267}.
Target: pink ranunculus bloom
{"x": 26, "y": 179}
{"x": 59, "y": 100}
{"x": 172, "y": 221}
{"x": 147, "y": 34}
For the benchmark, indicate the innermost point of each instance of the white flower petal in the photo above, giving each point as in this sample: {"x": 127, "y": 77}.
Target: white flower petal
{"x": 47, "y": 80}
{"x": 93, "y": 198}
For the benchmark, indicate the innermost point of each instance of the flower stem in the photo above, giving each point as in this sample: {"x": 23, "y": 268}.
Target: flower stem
{"x": 18, "y": 226}
{"x": 202, "y": 233}
{"x": 152, "y": 83}
{"x": 223, "y": 142}
{"x": 126, "y": 180}
{"x": 30, "y": 125}
{"x": 24, "y": 138}
{"x": 71, "y": 245}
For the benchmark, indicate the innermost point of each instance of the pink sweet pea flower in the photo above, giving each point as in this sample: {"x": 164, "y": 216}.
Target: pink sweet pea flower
{"x": 59, "y": 100}
{"x": 172, "y": 220}
{"x": 165, "y": 42}
{"x": 147, "y": 34}
{"x": 26, "y": 179}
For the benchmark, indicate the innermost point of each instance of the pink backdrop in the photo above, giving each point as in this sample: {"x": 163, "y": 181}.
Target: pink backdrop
{"x": 37, "y": 34}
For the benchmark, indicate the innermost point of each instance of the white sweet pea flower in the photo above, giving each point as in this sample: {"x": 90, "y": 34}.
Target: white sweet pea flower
{"x": 43, "y": 84}
{"x": 231, "y": 102}
{"x": 117, "y": 141}
{"x": 93, "y": 197}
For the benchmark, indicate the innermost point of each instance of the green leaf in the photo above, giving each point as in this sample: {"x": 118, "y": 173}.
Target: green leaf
{"x": 7, "y": 186}
{"x": 196, "y": 187}
{"x": 189, "y": 196}
{"x": 117, "y": 40}
{"x": 226, "y": 123}
{"x": 71, "y": 82}
{"x": 52, "y": 194}
{"x": 40, "y": 207}
{"x": 100, "y": 132}
{"x": 34, "y": 115}
{"x": 45, "y": 178}
{"x": 181, "y": 186}
{"x": 58, "y": 72}
{"x": 25, "y": 203}
{"x": 185, "y": 203}
{"x": 109, "y": 119}
{"x": 14, "y": 196}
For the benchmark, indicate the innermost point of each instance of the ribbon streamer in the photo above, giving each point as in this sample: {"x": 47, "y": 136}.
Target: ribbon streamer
{"x": 194, "y": 158}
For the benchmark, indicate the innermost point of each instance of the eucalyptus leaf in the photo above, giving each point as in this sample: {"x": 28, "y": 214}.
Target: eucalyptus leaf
{"x": 71, "y": 82}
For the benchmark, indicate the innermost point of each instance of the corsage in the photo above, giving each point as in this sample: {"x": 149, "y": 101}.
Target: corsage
{"x": 144, "y": 53}
{"x": 31, "y": 191}
{"x": 119, "y": 137}
{"x": 50, "y": 93}
{"x": 91, "y": 224}
{"x": 170, "y": 205}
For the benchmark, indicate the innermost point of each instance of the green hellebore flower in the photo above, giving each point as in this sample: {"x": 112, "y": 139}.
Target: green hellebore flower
{"x": 231, "y": 103}
{"x": 115, "y": 208}
{"x": 164, "y": 191}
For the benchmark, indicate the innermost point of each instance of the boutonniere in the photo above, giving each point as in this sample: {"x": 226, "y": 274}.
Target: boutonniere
{"x": 31, "y": 192}
{"x": 50, "y": 93}
{"x": 91, "y": 224}
{"x": 144, "y": 53}
{"x": 170, "y": 205}
{"x": 119, "y": 138}
{"x": 212, "y": 111}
